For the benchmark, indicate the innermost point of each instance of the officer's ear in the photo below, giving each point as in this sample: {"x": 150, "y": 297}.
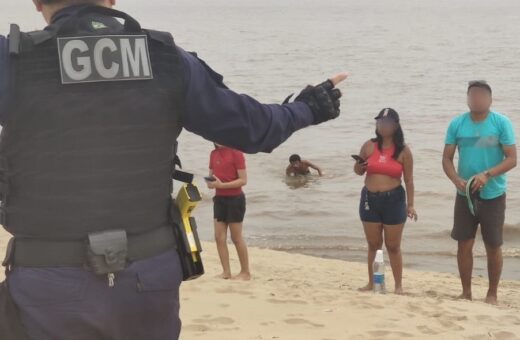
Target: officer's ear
{"x": 38, "y": 5}
{"x": 112, "y": 3}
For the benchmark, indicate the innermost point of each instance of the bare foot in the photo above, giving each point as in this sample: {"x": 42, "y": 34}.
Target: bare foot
{"x": 225, "y": 276}
{"x": 492, "y": 300}
{"x": 368, "y": 288}
{"x": 242, "y": 277}
{"x": 465, "y": 296}
{"x": 399, "y": 291}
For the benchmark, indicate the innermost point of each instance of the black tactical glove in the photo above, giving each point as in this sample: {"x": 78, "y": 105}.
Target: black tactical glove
{"x": 323, "y": 100}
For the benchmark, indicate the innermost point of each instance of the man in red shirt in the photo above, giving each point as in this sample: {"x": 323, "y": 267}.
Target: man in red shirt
{"x": 228, "y": 171}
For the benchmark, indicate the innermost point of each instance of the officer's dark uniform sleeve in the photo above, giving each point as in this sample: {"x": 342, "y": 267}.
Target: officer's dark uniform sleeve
{"x": 220, "y": 115}
{"x": 3, "y": 77}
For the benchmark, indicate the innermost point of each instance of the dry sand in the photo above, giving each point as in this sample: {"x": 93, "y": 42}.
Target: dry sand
{"x": 299, "y": 297}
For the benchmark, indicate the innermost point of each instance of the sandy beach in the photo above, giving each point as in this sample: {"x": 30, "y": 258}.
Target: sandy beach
{"x": 300, "y": 297}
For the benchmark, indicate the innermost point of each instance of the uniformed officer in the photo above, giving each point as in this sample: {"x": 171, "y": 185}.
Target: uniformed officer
{"x": 91, "y": 108}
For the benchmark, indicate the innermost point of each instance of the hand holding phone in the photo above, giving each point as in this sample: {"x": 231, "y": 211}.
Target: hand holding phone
{"x": 359, "y": 159}
{"x": 210, "y": 179}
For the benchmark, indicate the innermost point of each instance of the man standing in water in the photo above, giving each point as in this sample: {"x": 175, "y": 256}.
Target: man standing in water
{"x": 228, "y": 171}
{"x": 487, "y": 151}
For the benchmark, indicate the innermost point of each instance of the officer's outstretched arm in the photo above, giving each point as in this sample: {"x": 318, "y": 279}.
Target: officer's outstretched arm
{"x": 220, "y": 115}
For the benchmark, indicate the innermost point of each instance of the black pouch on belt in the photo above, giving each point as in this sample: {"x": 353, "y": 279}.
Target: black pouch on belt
{"x": 107, "y": 251}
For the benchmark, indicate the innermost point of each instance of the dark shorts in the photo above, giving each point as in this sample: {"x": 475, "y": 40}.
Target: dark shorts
{"x": 388, "y": 208}
{"x": 229, "y": 209}
{"x": 490, "y": 216}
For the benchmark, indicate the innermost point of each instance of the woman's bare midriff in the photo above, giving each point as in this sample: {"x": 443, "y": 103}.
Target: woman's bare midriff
{"x": 381, "y": 183}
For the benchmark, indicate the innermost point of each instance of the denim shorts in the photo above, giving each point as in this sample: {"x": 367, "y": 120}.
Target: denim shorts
{"x": 388, "y": 208}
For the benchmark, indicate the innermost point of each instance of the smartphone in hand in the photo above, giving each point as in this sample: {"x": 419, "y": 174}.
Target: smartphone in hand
{"x": 358, "y": 159}
{"x": 210, "y": 179}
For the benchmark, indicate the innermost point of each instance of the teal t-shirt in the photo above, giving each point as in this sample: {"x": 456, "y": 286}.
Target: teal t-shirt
{"x": 480, "y": 148}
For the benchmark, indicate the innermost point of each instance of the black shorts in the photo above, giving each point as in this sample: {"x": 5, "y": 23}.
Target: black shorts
{"x": 490, "y": 216}
{"x": 229, "y": 209}
{"x": 388, "y": 208}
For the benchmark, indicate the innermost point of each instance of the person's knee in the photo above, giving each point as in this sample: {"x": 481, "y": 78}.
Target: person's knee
{"x": 237, "y": 239}
{"x": 220, "y": 238}
{"x": 375, "y": 245}
{"x": 466, "y": 246}
{"x": 493, "y": 250}
{"x": 393, "y": 248}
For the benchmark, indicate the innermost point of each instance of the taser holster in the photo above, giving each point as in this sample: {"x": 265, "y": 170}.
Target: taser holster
{"x": 185, "y": 229}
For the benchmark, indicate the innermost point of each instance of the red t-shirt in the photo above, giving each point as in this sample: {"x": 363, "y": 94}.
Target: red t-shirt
{"x": 225, "y": 163}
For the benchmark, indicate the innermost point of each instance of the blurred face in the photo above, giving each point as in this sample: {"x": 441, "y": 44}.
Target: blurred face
{"x": 386, "y": 127}
{"x": 479, "y": 100}
{"x": 296, "y": 164}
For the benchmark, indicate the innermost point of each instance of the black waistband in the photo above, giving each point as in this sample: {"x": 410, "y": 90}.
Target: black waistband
{"x": 27, "y": 252}
{"x": 392, "y": 192}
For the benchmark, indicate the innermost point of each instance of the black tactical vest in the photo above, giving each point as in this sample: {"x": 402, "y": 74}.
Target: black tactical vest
{"x": 89, "y": 151}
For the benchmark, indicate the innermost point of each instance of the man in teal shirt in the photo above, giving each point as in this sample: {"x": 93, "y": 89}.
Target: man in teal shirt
{"x": 487, "y": 151}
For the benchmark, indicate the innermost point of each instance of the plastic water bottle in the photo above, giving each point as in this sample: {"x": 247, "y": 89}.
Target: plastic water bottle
{"x": 379, "y": 273}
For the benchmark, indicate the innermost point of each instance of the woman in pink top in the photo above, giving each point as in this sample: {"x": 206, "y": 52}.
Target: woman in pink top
{"x": 385, "y": 205}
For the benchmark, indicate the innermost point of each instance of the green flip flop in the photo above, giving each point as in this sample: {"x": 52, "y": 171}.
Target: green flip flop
{"x": 471, "y": 197}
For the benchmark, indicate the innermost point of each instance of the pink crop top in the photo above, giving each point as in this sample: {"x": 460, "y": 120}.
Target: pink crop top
{"x": 383, "y": 163}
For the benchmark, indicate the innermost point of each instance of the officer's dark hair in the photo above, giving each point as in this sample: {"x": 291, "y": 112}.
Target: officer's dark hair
{"x": 294, "y": 158}
{"x": 53, "y": 2}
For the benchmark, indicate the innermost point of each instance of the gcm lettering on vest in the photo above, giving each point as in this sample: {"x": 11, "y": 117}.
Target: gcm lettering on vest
{"x": 104, "y": 58}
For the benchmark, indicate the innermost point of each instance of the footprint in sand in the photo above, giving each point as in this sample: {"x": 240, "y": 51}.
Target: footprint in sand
{"x": 215, "y": 321}
{"x": 231, "y": 290}
{"x": 294, "y": 302}
{"x": 195, "y": 328}
{"x": 296, "y": 321}
{"x": 515, "y": 320}
{"x": 450, "y": 325}
{"x": 386, "y": 334}
{"x": 426, "y": 330}
{"x": 502, "y": 335}
{"x": 431, "y": 293}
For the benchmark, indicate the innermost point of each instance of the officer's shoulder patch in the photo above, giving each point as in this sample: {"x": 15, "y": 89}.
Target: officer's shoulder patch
{"x": 102, "y": 58}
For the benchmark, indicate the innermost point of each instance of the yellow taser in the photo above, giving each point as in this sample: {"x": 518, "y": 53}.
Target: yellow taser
{"x": 185, "y": 227}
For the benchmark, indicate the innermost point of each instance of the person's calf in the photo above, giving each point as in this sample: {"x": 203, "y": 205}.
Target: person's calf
{"x": 495, "y": 264}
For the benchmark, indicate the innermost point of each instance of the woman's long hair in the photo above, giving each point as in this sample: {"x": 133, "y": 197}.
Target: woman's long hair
{"x": 398, "y": 141}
